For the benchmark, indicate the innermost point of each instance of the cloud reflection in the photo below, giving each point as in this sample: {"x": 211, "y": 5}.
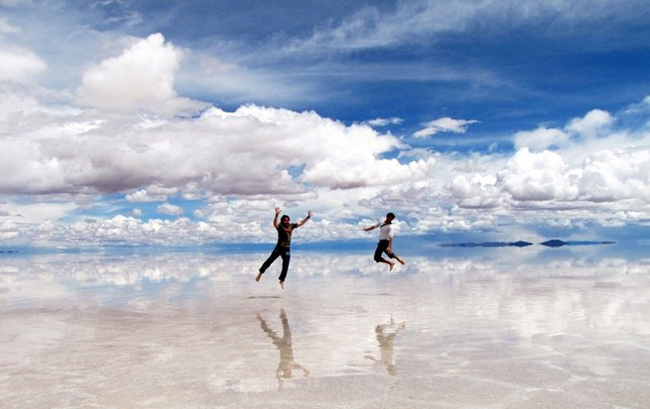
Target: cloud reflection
{"x": 517, "y": 320}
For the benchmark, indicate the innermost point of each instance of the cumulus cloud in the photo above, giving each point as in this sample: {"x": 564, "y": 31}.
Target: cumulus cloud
{"x": 133, "y": 146}
{"x": 617, "y": 175}
{"x": 143, "y": 196}
{"x": 534, "y": 177}
{"x": 36, "y": 213}
{"x": 140, "y": 79}
{"x": 170, "y": 209}
{"x": 19, "y": 64}
{"x": 150, "y": 157}
{"x": 541, "y": 139}
{"x": 445, "y": 124}
{"x": 595, "y": 123}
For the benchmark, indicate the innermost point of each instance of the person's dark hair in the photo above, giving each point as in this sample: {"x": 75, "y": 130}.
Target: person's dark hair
{"x": 391, "y": 215}
{"x": 284, "y": 217}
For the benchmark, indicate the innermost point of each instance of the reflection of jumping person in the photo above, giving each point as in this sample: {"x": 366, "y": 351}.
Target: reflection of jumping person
{"x": 386, "y": 334}
{"x": 385, "y": 244}
{"x": 283, "y": 248}
{"x": 287, "y": 364}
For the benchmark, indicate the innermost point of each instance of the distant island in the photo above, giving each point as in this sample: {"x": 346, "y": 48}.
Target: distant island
{"x": 560, "y": 243}
{"x": 520, "y": 243}
{"x": 489, "y": 244}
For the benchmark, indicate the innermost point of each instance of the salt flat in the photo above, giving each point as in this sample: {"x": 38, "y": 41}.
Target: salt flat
{"x": 504, "y": 328}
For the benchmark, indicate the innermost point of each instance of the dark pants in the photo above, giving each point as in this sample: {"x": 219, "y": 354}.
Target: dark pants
{"x": 278, "y": 251}
{"x": 382, "y": 247}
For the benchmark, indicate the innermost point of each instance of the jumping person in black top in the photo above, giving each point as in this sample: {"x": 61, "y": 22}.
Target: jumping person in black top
{"x": 283, "y": 247}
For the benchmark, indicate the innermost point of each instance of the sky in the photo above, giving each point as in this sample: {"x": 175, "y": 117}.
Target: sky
{"x": 187, "y": 122}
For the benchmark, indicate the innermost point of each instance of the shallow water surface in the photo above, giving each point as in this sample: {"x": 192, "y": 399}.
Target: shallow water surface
{"x": 505, "y": 329}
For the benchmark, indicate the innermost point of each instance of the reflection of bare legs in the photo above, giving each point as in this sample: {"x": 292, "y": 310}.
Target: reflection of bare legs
{"x": 386, "y": 334}
{"x": 287, "y": 363}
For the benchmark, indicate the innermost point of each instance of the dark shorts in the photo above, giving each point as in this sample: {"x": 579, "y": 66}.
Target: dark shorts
{"x": 382, "y": 247}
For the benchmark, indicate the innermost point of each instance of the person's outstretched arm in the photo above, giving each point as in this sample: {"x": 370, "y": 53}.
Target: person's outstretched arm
{"x": 373, "y": 227}
{"x": 275, "y": 219}
{"x": 303, "y": 221}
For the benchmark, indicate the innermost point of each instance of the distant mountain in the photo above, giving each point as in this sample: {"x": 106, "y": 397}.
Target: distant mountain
{"x": 560, "y": 243}
{"x": 489, "y": 244}
{"x": 548, "y": 243}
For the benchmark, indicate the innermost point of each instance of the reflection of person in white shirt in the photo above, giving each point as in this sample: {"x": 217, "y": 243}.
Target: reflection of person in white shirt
{"x": 385, "y": 244}
{"x": 386, "y": 334}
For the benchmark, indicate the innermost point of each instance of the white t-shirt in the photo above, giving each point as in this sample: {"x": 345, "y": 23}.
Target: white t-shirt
{"x": 385, "y": 231}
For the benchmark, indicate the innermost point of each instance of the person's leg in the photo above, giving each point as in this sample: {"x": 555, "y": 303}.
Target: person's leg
{"x": 381, "y": 248}
{"x": 393, "y": 255}
{"x": 286, "y": 258}
{"x": 274, "y": 255}
{"x": 402, "y": 262}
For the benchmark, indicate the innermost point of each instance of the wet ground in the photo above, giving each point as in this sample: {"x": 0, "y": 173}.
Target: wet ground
{"x": 515, "y": 328}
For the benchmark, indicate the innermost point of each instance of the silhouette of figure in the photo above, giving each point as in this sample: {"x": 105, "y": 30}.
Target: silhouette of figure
{"x": 385, "y": 244}
{"x": 386, "y": 334}
{"x": 283, "y": 248}
{"x": 287, "y": 363}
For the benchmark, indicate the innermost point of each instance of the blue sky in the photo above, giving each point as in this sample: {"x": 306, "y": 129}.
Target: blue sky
{"x": 175, "y": 123}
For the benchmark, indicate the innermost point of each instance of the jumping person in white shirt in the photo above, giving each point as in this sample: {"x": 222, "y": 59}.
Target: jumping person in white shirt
{"x": 385, "y": 244}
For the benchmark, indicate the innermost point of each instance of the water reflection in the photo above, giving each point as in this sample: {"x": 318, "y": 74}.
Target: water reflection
{"x": 505, "y": 325}
{"x": 386, "y": 334}
{"x": 283, "y": 343}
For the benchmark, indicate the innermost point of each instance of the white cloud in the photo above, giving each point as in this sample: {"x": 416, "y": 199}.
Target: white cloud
{"x": 19, "y": 64}
{"x": 245, "y": 162}
{"x": 595, "y": 123}
{"x": 345, "y": 174}
{"x": 541, "y": 139}
{"x": 170, "y": 209}
{"x": 36, "y": 213}
{"x": 372, "y": 27}
{"x": 445, "y": 124}
{"x": 89, "y": 152}
{"x": 542, "y": 176}
{"x": 140, "y": 79}
{"x": 242, "y": 84}
{"x": 341, "y": 174}
{"x": 384, "y": 121}
{"x": 477, "y": 191}
{"x": 617, "y": 175}
{"x": 143, "y": 196}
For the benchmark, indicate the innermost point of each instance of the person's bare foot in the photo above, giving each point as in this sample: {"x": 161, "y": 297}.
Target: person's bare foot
{"x": 402, "y": 262}
{"x": 259, "y": 277}
{"x": 282, "y": 284}
{"x": 391, "y": 266}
